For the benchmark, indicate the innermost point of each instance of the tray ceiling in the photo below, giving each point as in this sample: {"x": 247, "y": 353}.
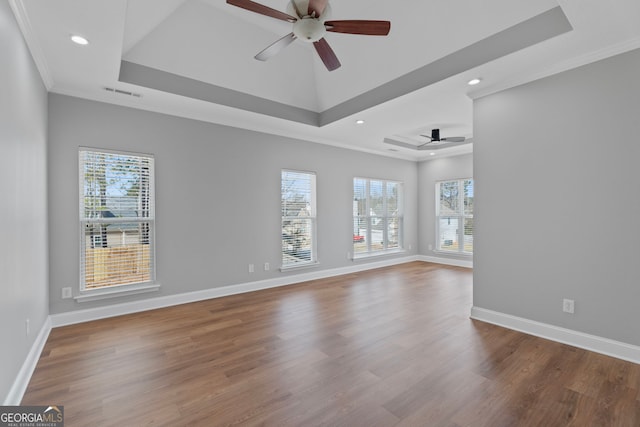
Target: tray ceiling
{"x": 194, "y": 58}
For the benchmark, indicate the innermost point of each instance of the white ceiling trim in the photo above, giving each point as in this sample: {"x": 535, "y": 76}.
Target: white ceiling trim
{"x": 522, "y": 35}
{"x": 566, "y": 65}
{"x": 599, "y": 30}
{"x": 455, "y": 151}
{"x": 532, "y": 31}
{"x": 152, "y": 78}
{"x": 223, "y": 116}
{"x": 37, "y": 53}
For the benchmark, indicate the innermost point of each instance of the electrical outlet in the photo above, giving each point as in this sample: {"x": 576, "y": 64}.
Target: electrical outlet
{"x": 266, "y": 266}
{"x": 66, "y": 293}
{"x": 251, "y": 268}
{"x": 28, "y": 326}
{"x": 568, "y": 305}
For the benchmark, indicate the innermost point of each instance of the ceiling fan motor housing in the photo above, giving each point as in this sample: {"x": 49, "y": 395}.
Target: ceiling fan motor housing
{"x": 309, "y": 29}
{"x": 435, "y": 134}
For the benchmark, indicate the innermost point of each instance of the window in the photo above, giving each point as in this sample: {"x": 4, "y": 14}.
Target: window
{"x": 117, "y": 220}
{"x": 454, "y": 216}
{"x": 377, "y": 216}
{"x": 298, "y": 207}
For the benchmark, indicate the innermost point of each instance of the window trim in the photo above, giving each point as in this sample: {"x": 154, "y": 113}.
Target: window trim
{"x": 314, "y": 223}
{"x": 460, "y": 217}
{"x": 386, "y": 251}
{"x": 116, "y": 290}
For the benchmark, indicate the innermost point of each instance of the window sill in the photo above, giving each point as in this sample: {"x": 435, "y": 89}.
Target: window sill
{"x": 377, "y": 254}
{"x": 116, "y": 291}
{"x": 458, "y": 254}
{"x": 299, "y": 266}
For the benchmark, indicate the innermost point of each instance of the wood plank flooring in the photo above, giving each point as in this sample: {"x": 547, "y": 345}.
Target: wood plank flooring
{"x": 386, "y": 347}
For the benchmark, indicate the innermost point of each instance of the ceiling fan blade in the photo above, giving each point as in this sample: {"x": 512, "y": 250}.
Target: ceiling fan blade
{"x": 326, "y": 54}
{"x": 317, "y": 6}
{"x": 355, "y": 26}
{"x": 262, "y": 9}
{"x": 453, "y": 139}
{"x": 427, "y": 136}
{"x": 276, "y": 47}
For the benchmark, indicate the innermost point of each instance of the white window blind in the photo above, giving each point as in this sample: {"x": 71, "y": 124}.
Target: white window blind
{"x": 454, "y": 215}
{"x": 298, "y": 208}
{"x": 117, "y": 219}
{"x": 377, "y": 216}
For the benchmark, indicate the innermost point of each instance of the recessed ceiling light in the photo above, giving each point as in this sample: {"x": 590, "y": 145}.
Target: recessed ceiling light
{"x": 79, "y": 40}
{"x": 360, "y": 122}
{"x": 432, "y": 154}
{"x": 474, "y": 82}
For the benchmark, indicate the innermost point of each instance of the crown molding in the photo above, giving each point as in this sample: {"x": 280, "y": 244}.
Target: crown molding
{"x": 240, "y": 122}
{"x": 20, "y": 12}
{"x": 569, "y": 64}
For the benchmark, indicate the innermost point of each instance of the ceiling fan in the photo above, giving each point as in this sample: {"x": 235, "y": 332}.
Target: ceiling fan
{"x": 309, "y": 25}
{"x": 435, "y": 137}
{"x": 432, "y": 144}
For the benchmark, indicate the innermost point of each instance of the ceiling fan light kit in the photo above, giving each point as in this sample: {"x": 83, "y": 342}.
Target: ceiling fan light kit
{"x": 310, "y": 25}
{"x": 309, "y": 29}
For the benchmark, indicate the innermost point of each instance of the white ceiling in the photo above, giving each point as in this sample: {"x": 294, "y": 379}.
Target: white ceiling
{"x": 402, "y": 85}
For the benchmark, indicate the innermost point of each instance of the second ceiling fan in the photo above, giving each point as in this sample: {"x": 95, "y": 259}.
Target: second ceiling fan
{"x": 435, "y": 138}
{"x": 310, "y": 25}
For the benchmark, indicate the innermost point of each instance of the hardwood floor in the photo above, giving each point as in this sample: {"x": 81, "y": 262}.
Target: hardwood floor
{"x": 387, "y": 347}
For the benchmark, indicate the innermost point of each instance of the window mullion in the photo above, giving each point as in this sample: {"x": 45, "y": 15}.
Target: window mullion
{"x": 461, "y": 215}
{"x": 385, "y": 217}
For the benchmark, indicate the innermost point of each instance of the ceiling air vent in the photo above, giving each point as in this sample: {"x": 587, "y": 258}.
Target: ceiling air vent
{"x": 123, "y": 92}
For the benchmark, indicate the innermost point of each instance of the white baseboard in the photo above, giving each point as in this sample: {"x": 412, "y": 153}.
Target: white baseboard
{"x": 617, "y": 349}
{"x": 447, "y": 261}
{"x": 86, "y": 315}
{"x": 24, "y": 375}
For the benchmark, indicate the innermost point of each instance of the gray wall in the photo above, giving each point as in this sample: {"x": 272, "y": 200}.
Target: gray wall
{"x": 23, "y": 209}
{"x": 557, "y": 206}
{"x": 217, "y": 194}
{"x": 430, "y": 172}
